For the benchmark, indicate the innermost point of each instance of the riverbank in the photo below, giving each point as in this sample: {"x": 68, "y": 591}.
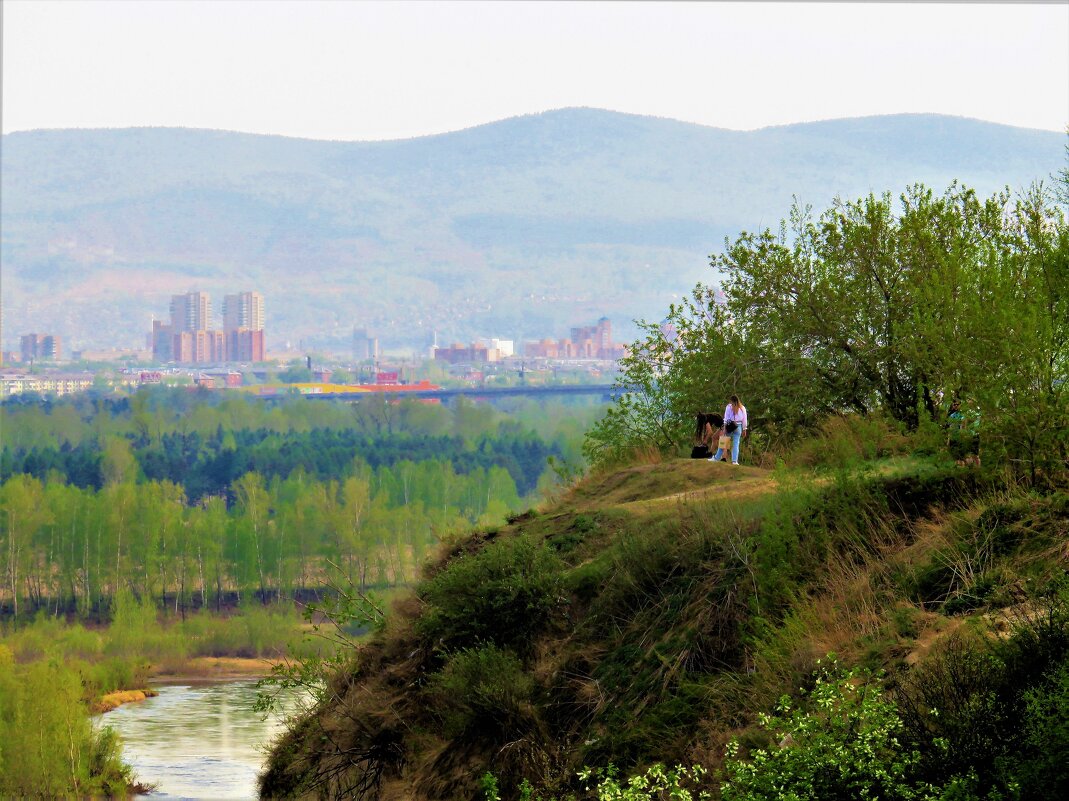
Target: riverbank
{"x": 198, "y": 670}
{"x": 213, "y": 669}
{"x": 110, "y": 701}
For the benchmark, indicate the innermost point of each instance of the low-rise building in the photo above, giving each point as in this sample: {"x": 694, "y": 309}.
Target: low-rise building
{"x": 46, "y": 384}
{"x": 475, "y": 353}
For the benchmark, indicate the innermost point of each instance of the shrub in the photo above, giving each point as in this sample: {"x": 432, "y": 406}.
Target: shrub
{"x": 41, "y": 707}
{"x": 501, "y": 595}
{"x": 1000, "y": 707}
{"x": 480, "y": 691}
{"x": 133, "y": 624}
{"x": 842, "y": 440}
{"x": 1043, "y": 772}
{"x": 960, "y": 683}
{"x": 658, "y": 782}
{"x": 844, "y": 746}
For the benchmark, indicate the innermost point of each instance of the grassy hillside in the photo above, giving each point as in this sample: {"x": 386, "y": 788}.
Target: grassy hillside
{"x": 653, "y": 612}
{"x": 517, "y": 228}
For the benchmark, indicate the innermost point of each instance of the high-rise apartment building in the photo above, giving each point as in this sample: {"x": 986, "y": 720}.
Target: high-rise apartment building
{"x": 41, "y": 347}
{"x": 244, "y": 310}
{"x": 189, "y": 337}
{"x": 586, "y": 342}
{"x": 365, "y": 348}
{"x": 191, "y": 312}
{"x": 162, "y": 341}
{"x": 243, "y": 345}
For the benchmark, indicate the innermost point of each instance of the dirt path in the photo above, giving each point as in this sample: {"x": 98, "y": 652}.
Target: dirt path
{"x": 736, "y": 483}
{"x": 735, "y": 489}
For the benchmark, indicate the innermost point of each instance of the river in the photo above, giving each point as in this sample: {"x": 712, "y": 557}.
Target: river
{"x": 196, "y": 740}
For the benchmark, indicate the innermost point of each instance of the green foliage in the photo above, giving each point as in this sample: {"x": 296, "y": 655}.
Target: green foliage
{"x": 118, "y": 656}
{"x": 841, "y": 441}
{"x": 873, "y": 306}
{"x": 975, "y": 569}
{"x": 501, "y": 595}
{"x": 132, "y": 622}
{"x": 846, "y": 743}
{"x": 257, "y": 631}
{"x": 48, "y": 748}
{"x": 295, "y": 374}
{"x": 999, "y": 706}
{"x": 1046, "y": 736}
{"x": 323, "y": 654}
{"x": 488, "y": 783}
{"x": 480, "y": 691}
{"x": 658, "y": 783}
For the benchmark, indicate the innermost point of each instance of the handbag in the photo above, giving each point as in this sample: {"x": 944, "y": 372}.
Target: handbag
{"x": 725, "y": 443}
{"x": 730, "y": 426}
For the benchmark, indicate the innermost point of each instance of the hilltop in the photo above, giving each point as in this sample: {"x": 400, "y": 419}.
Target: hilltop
{"x": 655, "y": 610}
{"x": 519, "y": 228}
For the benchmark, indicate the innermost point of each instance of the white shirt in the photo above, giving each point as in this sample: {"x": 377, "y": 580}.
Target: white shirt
{"x": 730, "y": 415}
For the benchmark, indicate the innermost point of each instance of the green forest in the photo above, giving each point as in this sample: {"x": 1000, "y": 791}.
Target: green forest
{"x": 198, "y": 500}
{"x": 141, "y": 533}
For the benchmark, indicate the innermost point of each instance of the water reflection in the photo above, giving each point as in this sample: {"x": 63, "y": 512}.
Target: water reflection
{"x": 196, "y": 741}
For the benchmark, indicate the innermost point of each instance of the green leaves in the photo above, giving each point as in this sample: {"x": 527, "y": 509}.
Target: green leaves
{"x": 876, "y": 305}
{"x": 844, "y": 744}
{"x": 658, "y": 782}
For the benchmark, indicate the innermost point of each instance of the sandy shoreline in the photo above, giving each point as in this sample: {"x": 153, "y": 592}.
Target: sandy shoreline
{"x": 114, "y": 700}
{"x": 199, "y": 670}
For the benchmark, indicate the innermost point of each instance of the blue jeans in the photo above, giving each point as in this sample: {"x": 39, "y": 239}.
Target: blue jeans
{"x": 735, "y": 435}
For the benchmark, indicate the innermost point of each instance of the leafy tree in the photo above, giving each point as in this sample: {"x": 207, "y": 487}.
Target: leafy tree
{"x": 21, "y": 501}
{"x": 252, "y": 499}
{"x": 295, "y": 374}
{"x": 873, "y": 306}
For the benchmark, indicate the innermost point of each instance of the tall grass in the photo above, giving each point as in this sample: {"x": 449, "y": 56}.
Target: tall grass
{"x": 841, "y": 441}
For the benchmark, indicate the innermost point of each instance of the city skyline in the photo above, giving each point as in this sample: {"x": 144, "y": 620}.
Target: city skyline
{"x": 189, "y": 337}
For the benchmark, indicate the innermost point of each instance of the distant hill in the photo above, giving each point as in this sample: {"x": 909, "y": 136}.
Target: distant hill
{"x": 517, "y": 228}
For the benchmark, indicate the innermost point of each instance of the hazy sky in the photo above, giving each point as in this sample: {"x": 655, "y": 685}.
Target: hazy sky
{"x": 368, "y": 70}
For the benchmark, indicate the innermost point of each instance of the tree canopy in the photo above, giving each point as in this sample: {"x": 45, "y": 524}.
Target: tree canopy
{"x": 875, "y": 305}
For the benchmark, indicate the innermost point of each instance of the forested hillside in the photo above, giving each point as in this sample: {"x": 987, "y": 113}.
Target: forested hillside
{"x": 517, "y": 229}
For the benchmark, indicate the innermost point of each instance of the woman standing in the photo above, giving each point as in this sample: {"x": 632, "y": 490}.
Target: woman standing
{"x": 735, "y": 426}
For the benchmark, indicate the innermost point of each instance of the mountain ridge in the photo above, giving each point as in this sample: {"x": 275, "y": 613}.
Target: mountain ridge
{"x": 534, "y": 114}
{"x": 517, "y": 228}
